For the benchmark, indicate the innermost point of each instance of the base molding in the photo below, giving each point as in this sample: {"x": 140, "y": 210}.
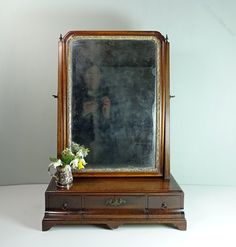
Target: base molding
{"x": 49, "y": 222}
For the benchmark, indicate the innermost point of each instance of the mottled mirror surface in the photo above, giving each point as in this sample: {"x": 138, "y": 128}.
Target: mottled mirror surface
{"x": 113, "y": 101}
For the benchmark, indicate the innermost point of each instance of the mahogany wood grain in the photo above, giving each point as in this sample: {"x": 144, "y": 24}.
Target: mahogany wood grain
{"x": 147, "y": 201}
{"x": 167, "y": 114}
{"x": 112, "y": 199}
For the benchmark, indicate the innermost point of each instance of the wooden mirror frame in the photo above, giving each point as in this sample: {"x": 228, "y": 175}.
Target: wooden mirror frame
{"x": 62, "y": 121}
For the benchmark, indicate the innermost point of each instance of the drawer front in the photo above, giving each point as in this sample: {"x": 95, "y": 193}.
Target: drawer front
{"x": 64, "y": 202}
{"x": 165, "y": 202}
{"x": 116, "y": 201}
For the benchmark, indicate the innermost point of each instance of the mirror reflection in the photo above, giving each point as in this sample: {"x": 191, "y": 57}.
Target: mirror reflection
{"x": 113, "y": 101}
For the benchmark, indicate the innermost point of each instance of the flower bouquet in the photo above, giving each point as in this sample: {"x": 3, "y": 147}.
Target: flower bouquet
{"x": 71, "y": 158}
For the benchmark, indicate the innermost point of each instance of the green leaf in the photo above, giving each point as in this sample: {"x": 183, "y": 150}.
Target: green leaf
{"x": 67, "y": 156}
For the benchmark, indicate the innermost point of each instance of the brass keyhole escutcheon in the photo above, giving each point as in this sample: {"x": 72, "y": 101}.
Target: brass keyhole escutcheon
{"x": 115, "y": 202}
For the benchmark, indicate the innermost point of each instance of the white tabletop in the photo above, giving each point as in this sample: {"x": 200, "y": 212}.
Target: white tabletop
{"x": 210, "y": 213}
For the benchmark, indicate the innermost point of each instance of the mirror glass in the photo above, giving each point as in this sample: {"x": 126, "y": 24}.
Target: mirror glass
{"x": 114, "y": 101}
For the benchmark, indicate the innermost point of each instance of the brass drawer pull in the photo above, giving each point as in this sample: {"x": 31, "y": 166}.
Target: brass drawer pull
{"x": 65, "y": 206}
{"x": 115, "y": 202}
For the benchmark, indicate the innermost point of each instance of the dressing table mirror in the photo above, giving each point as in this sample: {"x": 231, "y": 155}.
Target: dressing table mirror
{"x": 113, "y": 97}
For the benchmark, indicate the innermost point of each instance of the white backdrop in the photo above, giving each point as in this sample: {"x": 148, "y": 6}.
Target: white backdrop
{"x": 203, "y": 78}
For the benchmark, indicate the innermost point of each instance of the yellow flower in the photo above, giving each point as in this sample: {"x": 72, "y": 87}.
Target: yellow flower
{"x": 81, "y": 164}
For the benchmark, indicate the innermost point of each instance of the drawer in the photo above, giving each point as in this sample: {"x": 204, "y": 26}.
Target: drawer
{"x": 114, "y": 201}
{"x": 64, "y": 202}
{"x": 165, "y": 202}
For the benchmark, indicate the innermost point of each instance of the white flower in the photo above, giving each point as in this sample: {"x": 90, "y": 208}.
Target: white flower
{"x": 80, "y": 154}
{"x": 56, "y": 164}
{"x": 74, "y": 163}
{"x": 67, "y": 167}
{"x": 85, "y": 152}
